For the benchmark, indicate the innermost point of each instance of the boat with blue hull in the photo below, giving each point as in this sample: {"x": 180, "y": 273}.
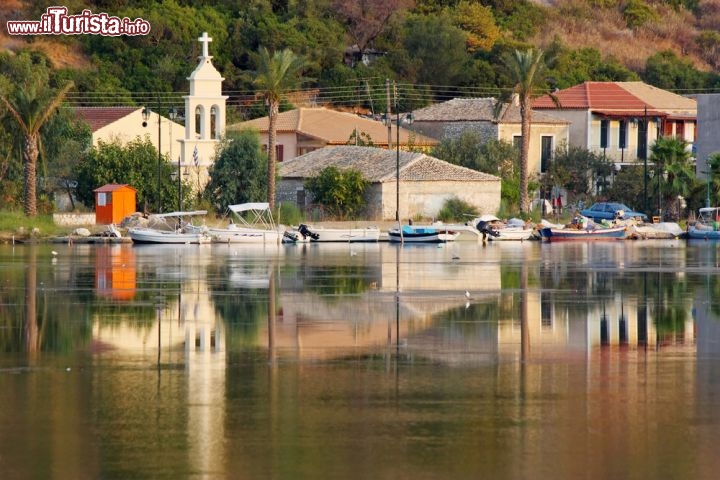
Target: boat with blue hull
{"x": 707, "y": 225}
{"x": 422, "y": 234}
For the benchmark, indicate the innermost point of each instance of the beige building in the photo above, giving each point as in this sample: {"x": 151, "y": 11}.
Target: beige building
{"x": 450, "y": 119}
{"x": 622, "y": 120}
{"x": 425, "y": 182}
{"x": 304, "y": 130}
{"x": 124, "y": 124}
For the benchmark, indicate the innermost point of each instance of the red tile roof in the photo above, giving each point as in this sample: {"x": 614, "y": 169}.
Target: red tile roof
{"x": 592, "y": 95}
{"x": 98, "y": 117}
{"x": 111, "y": 187}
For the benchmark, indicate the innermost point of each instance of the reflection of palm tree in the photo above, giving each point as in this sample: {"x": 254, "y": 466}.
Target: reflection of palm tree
{"x": 271, "y": 318}
{"x": 524, "y": 307}
{"x": 32, "y": 331}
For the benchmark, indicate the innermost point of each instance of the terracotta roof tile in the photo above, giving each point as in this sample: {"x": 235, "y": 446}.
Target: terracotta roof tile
{"x": 592, "y": 95}
{"x": 379, "y": 165}
{"x": 99, "y": 117}
{"x": 333, "y": 127}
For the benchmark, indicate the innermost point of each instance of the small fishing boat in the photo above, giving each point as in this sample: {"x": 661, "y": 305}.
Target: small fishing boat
{"x": 350, "y": 234}
{"x": 493, "y": 229}
{"x": 551, "y": 234}
{"x": 171, "y": 228}
{"x": 422, "y": 234}
{"x": 707, "y": 225}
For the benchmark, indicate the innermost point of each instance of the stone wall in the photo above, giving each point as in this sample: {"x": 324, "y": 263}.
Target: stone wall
{"x": 74, "y": 219}
{"x": 417, "y": 198}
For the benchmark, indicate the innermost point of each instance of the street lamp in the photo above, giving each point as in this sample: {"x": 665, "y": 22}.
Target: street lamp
{"x": 173, "y": 114}
{"x": 664, "y": 178}
{"x": 146, "y": 116}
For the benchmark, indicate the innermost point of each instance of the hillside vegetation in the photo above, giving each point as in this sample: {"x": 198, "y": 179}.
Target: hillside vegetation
{"x": 436, "y": 49}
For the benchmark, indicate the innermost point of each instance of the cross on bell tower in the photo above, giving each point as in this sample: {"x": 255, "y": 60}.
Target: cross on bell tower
{"x": 205, "y": 40}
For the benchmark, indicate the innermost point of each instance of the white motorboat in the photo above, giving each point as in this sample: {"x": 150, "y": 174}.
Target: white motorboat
{"x": 255, "y": 225}
{"x": 493, "y": 229}
{"x": 171, "y": 227}
{"x": 350, "y": 234}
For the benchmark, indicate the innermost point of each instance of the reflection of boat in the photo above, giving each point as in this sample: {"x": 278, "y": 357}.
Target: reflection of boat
{"x": 707, "y": 226}
{"x": 256, "y": 225}
{"x": 422, "y": 234}
{"x": 552, "y": 234}
{"x": 183, "y": 232}
{"x": 322, "y": 234}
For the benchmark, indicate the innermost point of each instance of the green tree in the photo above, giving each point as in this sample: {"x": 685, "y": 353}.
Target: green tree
{"x": 67, "y": 142}
{"x": 135, "y": 164}
{"x": 479, "y": 23}
{"x": 627, "y": 188}
{"x": 436, "y": 49}
{"x": 31, "y": 106}
{"x": 580, "y": 171}
{"x": 527, "y": 70}
{"x": 665, "y": 70}
{"x": 276, "y": 75}
{"x": 637, "y": 13}
{"x": 239, "y": 171}
{"x": 342, "y": 192}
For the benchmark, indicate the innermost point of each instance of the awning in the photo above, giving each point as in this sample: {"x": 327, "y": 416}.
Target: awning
{"x": 630, "y": 113}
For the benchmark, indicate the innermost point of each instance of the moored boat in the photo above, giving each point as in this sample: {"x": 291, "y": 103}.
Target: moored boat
{"x": 422, "y": 234}
{"x": 255, "y": 225}
{"x": 350, "y": 234}
{"x": 181, "y": 231}
{"x": 707, "y": 225}
{"x": 551, "y": 234}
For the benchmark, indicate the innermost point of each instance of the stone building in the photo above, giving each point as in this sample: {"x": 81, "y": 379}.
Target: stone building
{"x": 448, "y": 120}
{"x": 425, "y": 182}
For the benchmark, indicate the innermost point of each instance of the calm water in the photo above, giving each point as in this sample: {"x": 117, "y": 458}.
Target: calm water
{"x": 589, "y": 360}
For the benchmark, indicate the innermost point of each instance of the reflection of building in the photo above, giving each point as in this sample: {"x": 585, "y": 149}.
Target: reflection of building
{"x": 186, "y": 331}
{"x": 115, "y": 271}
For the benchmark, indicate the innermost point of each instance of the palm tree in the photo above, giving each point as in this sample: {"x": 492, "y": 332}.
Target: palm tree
{"x": 276, "y": 74}
{"x": 31, "y": 107}
{"x": 527, "y": 69}
{"x": 675, "y": 174}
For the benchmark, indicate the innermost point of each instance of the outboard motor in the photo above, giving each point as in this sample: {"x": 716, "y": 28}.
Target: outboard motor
{"x": 306, "y": 232}
{"x": 485, "y": 228}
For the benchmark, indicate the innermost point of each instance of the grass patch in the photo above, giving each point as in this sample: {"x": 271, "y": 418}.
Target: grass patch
{"x": 16, "y": 222}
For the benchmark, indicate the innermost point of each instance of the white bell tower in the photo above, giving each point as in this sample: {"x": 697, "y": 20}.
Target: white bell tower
{"x": 204, "y": 118}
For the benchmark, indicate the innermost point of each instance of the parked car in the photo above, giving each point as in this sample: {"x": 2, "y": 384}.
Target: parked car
{"x": 610, "y": 211}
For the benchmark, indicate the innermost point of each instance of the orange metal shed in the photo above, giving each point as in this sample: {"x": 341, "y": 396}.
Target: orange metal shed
{"x": 113, "y": 202}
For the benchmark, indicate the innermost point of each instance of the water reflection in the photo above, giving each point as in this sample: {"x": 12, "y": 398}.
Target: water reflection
{"x": 221, "y": 359}
{"x": 316, "y": 301}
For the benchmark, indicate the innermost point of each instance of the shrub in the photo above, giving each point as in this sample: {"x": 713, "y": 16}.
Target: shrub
{"x": 457, "y": 211}
{"x": 341, "y": 192}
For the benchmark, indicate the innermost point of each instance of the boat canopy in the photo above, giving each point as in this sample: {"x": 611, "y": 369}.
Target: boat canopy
{"x": 180, "y": 214}
{"x": 244, "y": 207}
{"x": 709, "y": 213}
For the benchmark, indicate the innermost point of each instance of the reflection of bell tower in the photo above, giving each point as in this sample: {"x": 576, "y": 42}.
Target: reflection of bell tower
{"x": 204, "y": 118}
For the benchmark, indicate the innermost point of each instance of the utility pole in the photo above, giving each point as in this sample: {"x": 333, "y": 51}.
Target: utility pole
{"x": 387, "y": 112}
